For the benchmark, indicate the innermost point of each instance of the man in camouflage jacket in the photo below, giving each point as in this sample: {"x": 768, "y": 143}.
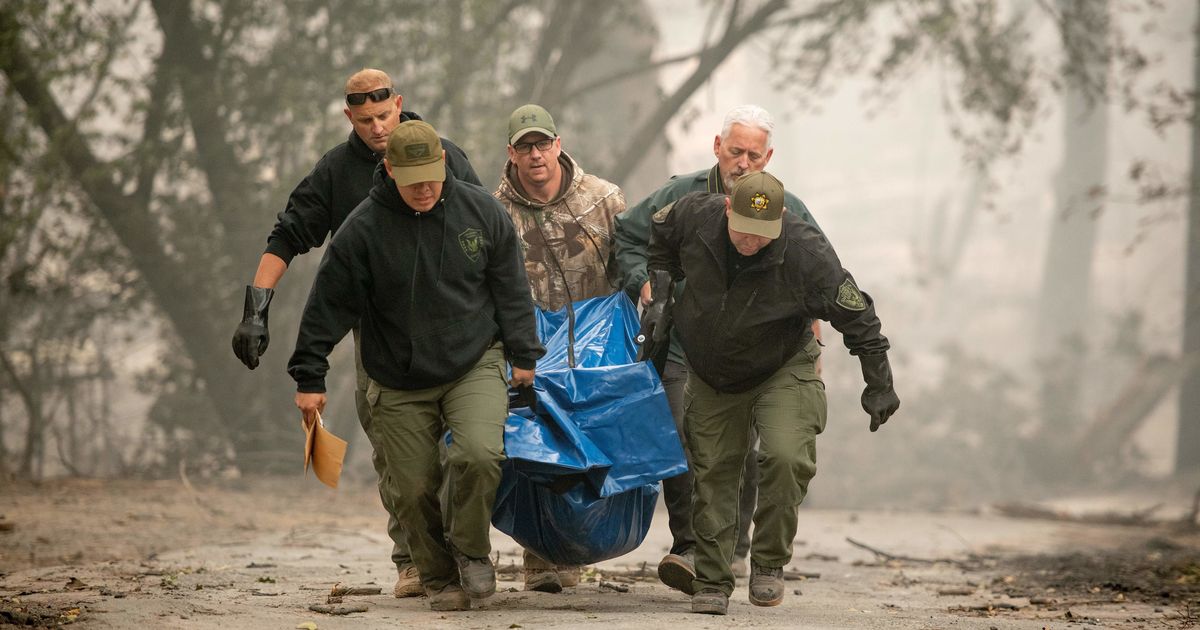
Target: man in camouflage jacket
{"x": 564, "y": 220}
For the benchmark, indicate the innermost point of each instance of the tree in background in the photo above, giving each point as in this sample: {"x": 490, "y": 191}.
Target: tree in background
{"x": 179, "y": 127}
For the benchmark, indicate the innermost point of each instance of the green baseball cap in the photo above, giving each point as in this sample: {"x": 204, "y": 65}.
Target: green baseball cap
{"x": 414, "y": 151}
{"x": 757, "y": 202}
{"x": 527, "y": 119}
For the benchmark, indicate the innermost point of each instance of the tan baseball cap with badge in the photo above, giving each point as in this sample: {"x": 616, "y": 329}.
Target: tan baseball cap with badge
{"x": 528, "y": 119}
{"x": 757, "y": 202}
{"x": 414, "y": 151}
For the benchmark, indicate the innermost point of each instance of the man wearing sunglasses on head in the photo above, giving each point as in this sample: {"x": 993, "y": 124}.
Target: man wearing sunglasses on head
{"x": 316, "y": 209}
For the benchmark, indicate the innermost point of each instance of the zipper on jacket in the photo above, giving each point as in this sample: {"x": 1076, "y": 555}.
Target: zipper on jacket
{"x": 749, "y": 303}
{"x": 412, "y": 283}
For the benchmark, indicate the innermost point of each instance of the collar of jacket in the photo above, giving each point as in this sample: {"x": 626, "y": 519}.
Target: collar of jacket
{"x": 360, "y": 148}
{"x": 509, "y": 188}
{"x": 714, "y": 233}
{"x": 713, "y": 180}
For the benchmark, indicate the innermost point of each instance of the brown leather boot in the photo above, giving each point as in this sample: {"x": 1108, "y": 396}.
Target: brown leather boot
{"x": 409, "y": 583}
{"x": 766, "y": 585}
{"x": 710, "y": 601}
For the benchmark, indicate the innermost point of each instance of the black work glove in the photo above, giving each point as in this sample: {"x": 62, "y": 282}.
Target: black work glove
{"x": 654, "y": 336}
{"x": 251, "y": 338}
{"x": 879, "y": 399}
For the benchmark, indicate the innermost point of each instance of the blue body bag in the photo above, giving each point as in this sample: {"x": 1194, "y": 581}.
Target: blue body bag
{"x": 581, "y": 479}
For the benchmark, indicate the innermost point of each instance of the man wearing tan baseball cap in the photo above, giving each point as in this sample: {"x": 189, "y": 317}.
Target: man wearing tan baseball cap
{"x": 432, "y": 267}
{"x": 415, "y": 155}
{"x": 756, "y": 206}
{"x": 316, "y": 208}
{"x": 743, "y": 145}
{"x": 757, "y": 275}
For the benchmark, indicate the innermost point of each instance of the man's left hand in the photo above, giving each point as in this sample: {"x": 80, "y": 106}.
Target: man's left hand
{"x": 879, "y": 399}
{"x": 880, "y": 404}
{"x": 521, "y": 378}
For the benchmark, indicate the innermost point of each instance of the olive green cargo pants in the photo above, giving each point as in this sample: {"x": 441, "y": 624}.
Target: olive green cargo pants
{"x": 788, "y": 410}
{"x": 400, "y": 555}
{"x": 405, "y": 428}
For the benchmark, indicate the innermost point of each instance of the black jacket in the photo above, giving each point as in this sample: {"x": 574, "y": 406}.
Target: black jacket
{"x": 433, "y": 290}
{"x": 736, "y": 335}
{"x": 340, "y": 180}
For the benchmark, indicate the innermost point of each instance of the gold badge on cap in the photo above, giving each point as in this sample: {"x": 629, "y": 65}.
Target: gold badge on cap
{"x": 759, "y": 202}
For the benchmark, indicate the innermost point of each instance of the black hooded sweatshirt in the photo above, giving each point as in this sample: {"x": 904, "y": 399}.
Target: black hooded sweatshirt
{"x": 337, "y": 184}
{"x": 433, "y": 290}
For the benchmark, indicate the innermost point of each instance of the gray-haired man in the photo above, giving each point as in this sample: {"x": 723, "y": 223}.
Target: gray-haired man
{"x": 743, "y": 146}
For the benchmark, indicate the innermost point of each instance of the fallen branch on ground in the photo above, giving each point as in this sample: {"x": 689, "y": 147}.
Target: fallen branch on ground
{"x": 789, "y": 574}
{"x": 891, "y": 557}
{"x": 1029, "y": 510}
{"x": 338, "y": 610}
{"x": 641, "y": 573}
{"x": 338, "y": 590}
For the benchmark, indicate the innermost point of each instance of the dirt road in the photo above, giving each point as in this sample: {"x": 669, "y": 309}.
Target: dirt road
{"x": 258, "y": 554}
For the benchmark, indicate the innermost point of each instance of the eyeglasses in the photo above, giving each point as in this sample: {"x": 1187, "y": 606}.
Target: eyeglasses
{"x": 526, "y": 147}
{"x": 358, "y": 98}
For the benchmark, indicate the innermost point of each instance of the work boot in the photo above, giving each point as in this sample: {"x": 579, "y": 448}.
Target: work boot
{"x": 766, "y": 585}
{"x": 739, "y": 567}
{"x": 478, "y": 575}
{"x": 540, "y": 575}
{"x": 449, "y": 597}
{"x": 677, "y": 570}
{"x": 409, "y": 584}
{"x": 568, "y": 576}
{"x": 710, "y": 601}
{"x": 543, "y": 580}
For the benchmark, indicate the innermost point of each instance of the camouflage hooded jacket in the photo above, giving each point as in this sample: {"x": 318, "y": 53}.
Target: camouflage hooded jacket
{"x": 568, "y": 241}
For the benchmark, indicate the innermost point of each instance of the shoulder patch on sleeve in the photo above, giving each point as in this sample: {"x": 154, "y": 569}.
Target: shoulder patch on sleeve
{"x": 661, "y": 215}
{"x": 849, "y": 297}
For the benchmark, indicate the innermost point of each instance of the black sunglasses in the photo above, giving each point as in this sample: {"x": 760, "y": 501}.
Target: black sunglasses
{"x": 358, "y": 98}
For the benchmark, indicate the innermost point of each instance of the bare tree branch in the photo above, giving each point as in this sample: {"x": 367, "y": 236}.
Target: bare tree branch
{"x": 651, "y": 128}
{"x": 183, "y": 50}
{"x": 627, "y": 73}
{"x": 480, "y": 37}
{"x": 113, "y": 42}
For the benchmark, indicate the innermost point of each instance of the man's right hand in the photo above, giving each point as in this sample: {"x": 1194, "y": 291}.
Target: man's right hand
{"x": 647, "y": 294}
{"x": 251, "y": 338}
{"x": 310, "y": 405}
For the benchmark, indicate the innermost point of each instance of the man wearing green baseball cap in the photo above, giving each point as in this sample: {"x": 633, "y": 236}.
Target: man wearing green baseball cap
{"x": 742, "y": 146}
{"x": 316, "y": 208}
{"x": 757, "y": 275}
{"x": 564, "y": 219}
{"x": 431, "y": 267}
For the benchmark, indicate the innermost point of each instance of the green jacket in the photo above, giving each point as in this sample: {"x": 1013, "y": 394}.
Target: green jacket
{"x": 633, "y": 232}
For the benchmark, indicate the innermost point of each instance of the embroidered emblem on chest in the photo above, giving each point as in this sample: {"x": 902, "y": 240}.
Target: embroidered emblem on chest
{"x": 471, "y": 242}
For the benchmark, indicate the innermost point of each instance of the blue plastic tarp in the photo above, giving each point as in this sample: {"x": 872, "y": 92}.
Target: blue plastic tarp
{"x": 582, "y": 474}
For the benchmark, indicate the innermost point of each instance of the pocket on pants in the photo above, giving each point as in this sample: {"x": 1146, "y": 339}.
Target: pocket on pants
{"x": 813, "y": 349}
{"x": 373, "y": 392}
